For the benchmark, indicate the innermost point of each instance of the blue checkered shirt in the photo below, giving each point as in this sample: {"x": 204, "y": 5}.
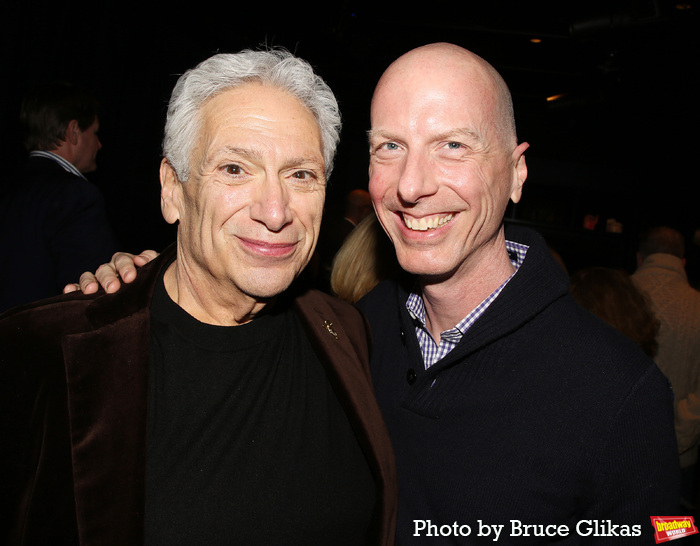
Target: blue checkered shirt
{"x": 432, "y": 351}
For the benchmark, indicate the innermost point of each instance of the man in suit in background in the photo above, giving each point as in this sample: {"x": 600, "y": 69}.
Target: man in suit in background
{"x": 53, "y": 222}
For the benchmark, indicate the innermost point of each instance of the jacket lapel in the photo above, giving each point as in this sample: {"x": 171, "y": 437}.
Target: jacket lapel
{"x": 107, "y": 401}
{"x": 347, "y": 367}
{"x": 107, "y": 379}
{"x": 345, "y": 363}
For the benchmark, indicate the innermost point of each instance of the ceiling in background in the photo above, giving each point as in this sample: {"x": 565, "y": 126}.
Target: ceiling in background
{"x": 614, "y": 70}
{"x": 622, "y": 72}
{"x": 593, "y": 67}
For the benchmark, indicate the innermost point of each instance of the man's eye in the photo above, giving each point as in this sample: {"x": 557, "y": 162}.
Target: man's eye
{"x": 385, "y": 149}
{"x": 304, "y": 175}
{"x": 454, "y": 145}
{"x": 232, "y": 169}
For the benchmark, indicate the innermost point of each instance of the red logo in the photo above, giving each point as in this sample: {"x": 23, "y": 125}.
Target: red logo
{"x": 670, "y": 528}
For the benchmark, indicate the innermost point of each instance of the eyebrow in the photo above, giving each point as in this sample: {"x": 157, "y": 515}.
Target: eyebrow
{"x": 256, "y": 155}
{"x": 244, "y": 152}
{"x": 371, "y": 133}
{"x": 469, "y": 133}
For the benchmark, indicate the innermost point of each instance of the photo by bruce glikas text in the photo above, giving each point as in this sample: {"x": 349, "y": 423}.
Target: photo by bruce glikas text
{"x": 516, "y": 528}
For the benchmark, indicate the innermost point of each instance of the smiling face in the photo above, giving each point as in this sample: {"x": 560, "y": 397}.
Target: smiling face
{"x": 250, "y": 212}
{"x": 442, "y": 163}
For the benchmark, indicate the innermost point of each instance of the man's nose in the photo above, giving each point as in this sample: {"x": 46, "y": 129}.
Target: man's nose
{"x": 416, "y": 179}
{"x": 271, "y": 204}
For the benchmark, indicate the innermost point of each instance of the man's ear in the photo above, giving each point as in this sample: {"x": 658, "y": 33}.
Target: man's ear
{"x": 170, "y": 193}
{"x": 72, "y": 132}
{"x": 520, "y": 174}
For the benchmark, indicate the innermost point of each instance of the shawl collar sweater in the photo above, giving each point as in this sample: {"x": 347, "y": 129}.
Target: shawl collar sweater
{"x": 542, "y": 414}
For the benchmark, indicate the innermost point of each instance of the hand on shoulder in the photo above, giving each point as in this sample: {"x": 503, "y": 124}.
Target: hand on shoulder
{"x": 122, "y": 266}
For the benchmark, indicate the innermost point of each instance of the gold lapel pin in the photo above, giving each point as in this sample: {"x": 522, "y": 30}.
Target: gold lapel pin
{"x": 329, "y": 327}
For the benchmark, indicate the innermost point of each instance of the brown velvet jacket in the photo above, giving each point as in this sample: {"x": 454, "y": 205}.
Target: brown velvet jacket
{"x": 73, "y": 374}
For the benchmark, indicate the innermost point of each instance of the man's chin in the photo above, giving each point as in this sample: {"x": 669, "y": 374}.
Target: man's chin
{"x": 421, "y": 263}
{"x": 269, "y": 287}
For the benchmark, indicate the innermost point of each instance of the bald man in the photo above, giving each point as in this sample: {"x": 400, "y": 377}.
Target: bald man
{"x": 508, "y": 405}
{"x": 515, "y": 415}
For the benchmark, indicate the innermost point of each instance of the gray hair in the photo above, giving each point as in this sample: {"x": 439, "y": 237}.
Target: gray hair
{"x": 278, "y": 68}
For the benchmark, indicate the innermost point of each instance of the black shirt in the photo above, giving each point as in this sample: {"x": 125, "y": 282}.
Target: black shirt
{"x": 247, "y": 442}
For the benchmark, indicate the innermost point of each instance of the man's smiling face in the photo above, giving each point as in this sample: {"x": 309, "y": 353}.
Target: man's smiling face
{"x": 441, "y": 171}
{"x": 250, "y": 212}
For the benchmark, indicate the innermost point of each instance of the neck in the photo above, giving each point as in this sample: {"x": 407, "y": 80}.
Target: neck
{"x": 448, "y": 300}
{"x": 65, "y": 151}
{"x": 208, "y": 301}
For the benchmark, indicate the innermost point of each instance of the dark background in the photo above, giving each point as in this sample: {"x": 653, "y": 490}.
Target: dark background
{"x": 620, "y": 143}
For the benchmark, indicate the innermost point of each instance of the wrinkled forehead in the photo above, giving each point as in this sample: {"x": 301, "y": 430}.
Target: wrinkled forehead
{"x": 258, "y": 99}
{"x": 262, "y": 113}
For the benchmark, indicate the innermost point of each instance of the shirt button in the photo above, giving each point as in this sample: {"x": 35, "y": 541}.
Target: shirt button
{"x": 411, "y": 376}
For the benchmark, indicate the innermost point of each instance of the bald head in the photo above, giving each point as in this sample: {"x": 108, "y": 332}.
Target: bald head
{"x": 457, "y": 73}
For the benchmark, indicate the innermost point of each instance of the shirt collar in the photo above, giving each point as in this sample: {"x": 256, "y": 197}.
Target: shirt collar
{"x": 67, "y": 165}
{"x": 416, "y": 306}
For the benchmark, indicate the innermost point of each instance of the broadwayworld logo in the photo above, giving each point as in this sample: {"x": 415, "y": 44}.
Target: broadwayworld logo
{"x": 670, "y": 528}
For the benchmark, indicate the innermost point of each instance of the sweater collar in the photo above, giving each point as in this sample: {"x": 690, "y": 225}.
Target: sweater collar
{"x": 539, "y": 282}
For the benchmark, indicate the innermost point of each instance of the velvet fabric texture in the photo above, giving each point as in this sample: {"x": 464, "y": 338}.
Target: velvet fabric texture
{"x": 73, "y": 373}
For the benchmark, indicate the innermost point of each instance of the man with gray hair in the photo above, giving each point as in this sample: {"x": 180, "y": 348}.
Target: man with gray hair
{"x": 208, "y": 402}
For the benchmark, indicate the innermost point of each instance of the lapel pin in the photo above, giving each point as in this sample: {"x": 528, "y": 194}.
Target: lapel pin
{"x": 329, "y": 327}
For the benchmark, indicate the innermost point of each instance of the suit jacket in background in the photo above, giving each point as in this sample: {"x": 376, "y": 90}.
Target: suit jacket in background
{"x": 53, "y": 226}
